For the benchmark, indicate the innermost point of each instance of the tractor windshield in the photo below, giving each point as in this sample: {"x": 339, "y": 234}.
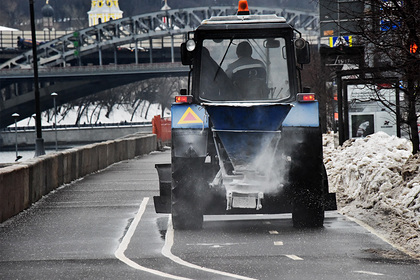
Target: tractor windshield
{"x": 244, "y": 70}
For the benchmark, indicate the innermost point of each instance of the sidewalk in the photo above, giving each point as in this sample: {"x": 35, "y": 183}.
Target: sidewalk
{"x": 79, "y": 222}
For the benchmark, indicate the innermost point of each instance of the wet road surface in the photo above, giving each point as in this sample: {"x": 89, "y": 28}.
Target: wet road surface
{"x": 104, "y": 227}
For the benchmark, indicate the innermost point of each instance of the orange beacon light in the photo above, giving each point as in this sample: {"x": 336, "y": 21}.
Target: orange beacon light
{"x": 243, "y": 7}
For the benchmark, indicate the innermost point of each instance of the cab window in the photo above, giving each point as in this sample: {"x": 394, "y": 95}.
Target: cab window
{"x": 244, "y": 70}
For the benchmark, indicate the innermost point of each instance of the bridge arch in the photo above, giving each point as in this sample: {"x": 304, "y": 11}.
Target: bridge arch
{"x": 140, "y": 28}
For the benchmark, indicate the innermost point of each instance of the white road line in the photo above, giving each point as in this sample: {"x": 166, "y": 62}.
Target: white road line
{"x": 383, "y": 238}
{"x": 369, "y": 273}
{"x": 215, "y": 244}
{"x": 273, "y": 232}
{"x": 294, "y": 257}
{"x": 278, "y": 243}
{"x": 126, "y": 240}
{"x": 166, "y": 251}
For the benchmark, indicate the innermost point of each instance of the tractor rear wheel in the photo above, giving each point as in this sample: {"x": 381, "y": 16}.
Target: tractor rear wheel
{"x": 308, "y": 206}
{"x": 305, "y": 216}
{"x": 187, "y": 211}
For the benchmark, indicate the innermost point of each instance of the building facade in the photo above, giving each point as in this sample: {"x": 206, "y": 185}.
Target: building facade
{"x": 103, "y": 11}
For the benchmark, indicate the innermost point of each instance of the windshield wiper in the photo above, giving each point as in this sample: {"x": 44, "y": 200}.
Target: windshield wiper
{"x": 223, "y": 59}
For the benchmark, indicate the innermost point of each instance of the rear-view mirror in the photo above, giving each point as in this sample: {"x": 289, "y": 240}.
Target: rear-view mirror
{"x": 186, "y": 56}
{"x": 271, "y": 44}
{"x": 303, "y": 54}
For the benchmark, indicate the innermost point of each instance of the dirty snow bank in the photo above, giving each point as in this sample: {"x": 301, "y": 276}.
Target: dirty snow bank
{"x": 377, "y": 181}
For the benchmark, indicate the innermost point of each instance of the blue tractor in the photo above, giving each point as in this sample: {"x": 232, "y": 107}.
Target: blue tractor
{"x": 245, "y": 139}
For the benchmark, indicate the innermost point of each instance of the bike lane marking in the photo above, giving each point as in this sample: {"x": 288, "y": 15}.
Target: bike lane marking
{"x": 120, "y": 252}
{"x": 166, "y": 251}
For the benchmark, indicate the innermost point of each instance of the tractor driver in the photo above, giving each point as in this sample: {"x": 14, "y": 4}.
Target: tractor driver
{"x": 248, "y": 74}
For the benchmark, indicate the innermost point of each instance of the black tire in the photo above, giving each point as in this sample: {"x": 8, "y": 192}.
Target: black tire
{"x": 187, "y": 187}
{"x": 305, "y": 216}
{"x": 306, "y": 175}
{"x": 308, "y": 203}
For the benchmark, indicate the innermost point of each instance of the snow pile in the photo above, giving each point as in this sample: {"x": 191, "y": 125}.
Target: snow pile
{"x": 377, "y": 181}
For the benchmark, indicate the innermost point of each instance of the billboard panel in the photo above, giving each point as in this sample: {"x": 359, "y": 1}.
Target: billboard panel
{"x": 340, "y": 17}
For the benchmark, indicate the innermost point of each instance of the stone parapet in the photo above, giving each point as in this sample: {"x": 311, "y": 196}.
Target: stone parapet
{"x": 24, "y": 183}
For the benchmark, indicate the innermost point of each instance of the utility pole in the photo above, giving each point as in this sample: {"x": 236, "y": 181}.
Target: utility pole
{"x": 39, "y": 142}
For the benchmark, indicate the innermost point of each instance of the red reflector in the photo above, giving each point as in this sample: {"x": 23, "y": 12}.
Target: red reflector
{"x": 183, "y": 98}
{"x": 306, "y": 97}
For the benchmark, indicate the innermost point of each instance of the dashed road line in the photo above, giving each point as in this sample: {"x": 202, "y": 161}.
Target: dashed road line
{"x": 369, "y": 273}
{"x": 294, "y": 257}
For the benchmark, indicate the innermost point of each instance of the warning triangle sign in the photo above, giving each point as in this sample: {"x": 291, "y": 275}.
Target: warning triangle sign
{"x": 190, "y": 117}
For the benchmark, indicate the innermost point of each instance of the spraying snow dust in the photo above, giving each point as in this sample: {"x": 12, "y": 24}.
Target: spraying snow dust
{"x": 271, "y": 165}
{"x": 377, "y": 181}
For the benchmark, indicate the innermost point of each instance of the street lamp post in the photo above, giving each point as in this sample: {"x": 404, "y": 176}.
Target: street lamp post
{"x": 54, "y": 95}
{"x": 16, "y": 116}
{"x": 39, "y": 142}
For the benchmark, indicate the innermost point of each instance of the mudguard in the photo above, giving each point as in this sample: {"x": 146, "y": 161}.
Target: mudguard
{"x": 303, "y": 114}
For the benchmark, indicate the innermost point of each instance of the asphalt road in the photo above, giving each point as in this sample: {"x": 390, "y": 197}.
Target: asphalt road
{"x": 104, "y": 227}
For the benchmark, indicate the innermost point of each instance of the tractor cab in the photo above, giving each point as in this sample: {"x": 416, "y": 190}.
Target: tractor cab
{"x": 245, "y": 58}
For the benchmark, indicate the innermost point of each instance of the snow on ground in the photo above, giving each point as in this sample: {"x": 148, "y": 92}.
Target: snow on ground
{"x": 377, "y": 181}
{"x": 92, "y": 115}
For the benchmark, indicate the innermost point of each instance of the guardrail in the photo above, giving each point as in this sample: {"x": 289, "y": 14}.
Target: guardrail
{"x": 25, "y": 183}
{"x": 69, "y": 135}
{"x": 95, "y": 69}
{"x": 80, "y": 126}
{"x": 8, "y": 39}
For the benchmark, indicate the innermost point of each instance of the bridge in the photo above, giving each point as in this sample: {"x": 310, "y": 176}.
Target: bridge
{"x": 73, "y": 83}
{"x": 154, "y": 35}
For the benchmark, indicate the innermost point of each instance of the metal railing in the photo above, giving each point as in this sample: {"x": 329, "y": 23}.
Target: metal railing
{"x": 80, "y": 126}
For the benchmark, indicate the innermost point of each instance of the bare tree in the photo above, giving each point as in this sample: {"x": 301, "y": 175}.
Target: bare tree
{"x": 390, "y": 32}
{"x": 168, "y": 89}
{"x": 156, "y": 90}
{"x": 77, "y": 16}
{"x": 12, "y": 13}
{"x": 135, "y": 98}
{"x": 314, "y": 76}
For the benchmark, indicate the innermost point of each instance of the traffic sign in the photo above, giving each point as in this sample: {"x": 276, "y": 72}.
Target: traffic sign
{"x": 346, "y": 41}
